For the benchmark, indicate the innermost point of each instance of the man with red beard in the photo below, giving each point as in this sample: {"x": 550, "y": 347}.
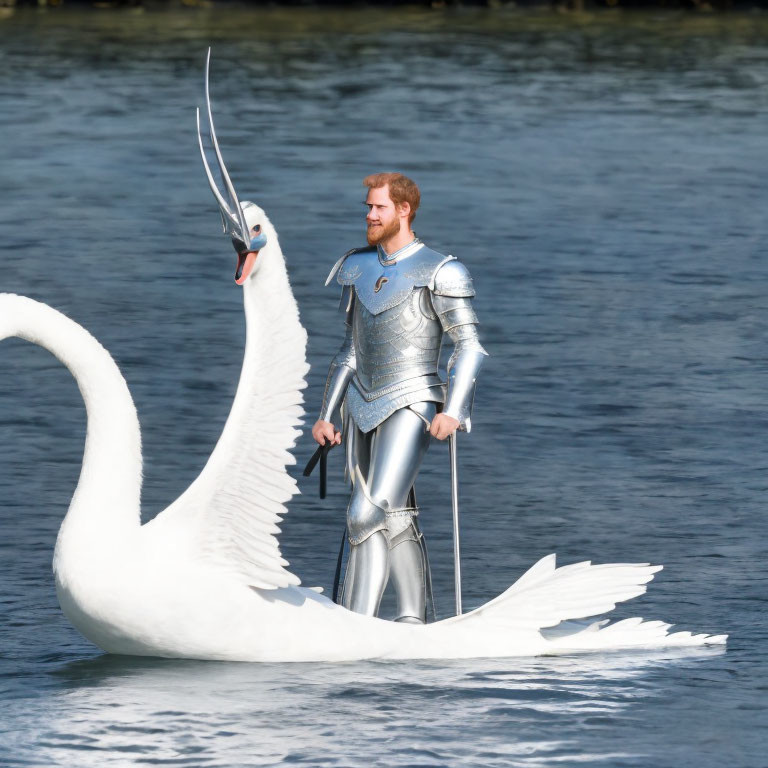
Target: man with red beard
{"x": 399, "y": 298}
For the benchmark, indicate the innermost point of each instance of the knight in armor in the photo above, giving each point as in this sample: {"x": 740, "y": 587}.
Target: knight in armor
{"x": 400, "y": 299}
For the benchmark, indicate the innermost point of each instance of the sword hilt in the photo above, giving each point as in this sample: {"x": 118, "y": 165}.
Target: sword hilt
{"x": 321, "y": 455}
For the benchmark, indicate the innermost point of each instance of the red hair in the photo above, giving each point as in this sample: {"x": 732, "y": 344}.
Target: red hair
{"x": 401, "y": 189}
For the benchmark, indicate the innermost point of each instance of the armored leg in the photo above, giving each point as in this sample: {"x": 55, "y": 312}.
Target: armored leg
{"x": 408, "y": 577}
{"x": 377, "y": 515}
{"x": 368, "y": 567}
{"x": 398, "y": 449}
{"x": 367, "y": 574}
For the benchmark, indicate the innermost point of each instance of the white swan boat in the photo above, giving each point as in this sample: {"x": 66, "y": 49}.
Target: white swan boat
{"x": 205, "y": 578}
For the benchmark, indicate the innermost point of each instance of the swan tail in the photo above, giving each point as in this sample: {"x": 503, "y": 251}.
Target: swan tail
{"x": 627, "y": 633}
{"x": 547, "y": 602}
{"x": 546, "y": 595}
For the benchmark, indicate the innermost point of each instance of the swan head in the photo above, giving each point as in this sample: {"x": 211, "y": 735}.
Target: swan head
{"x": 260, "y": 232}
{"x": 245, "y": 223}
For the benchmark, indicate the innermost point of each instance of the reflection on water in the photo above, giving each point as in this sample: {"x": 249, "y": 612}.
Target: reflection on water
{"x": 602, "y": 176}
{"x": 427, "y": 713}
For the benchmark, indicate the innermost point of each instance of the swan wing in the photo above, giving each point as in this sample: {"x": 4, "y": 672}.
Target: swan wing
{"x": 546, "y": 595}
{"x": 229, "y": 515}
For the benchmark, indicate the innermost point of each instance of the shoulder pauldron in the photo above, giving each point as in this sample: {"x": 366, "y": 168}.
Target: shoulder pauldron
{"x": 453, "y": 279}
{"x": 337, "y": 266}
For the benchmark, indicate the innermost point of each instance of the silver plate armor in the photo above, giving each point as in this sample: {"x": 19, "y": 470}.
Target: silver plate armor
{"x": 398, "y": 308}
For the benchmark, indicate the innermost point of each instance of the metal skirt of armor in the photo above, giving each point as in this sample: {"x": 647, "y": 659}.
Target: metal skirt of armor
{"x": 383, "y": 539}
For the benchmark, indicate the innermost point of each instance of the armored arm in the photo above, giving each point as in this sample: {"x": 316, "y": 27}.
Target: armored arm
{"x": 343, "y": 365}
{"x": 451, "y": 300}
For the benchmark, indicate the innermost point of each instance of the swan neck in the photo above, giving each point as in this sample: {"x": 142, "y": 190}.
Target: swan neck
{"x": 107, "y": 498}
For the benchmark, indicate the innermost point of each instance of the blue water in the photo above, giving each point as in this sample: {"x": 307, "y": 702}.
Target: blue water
{"x": 605, "y": 180}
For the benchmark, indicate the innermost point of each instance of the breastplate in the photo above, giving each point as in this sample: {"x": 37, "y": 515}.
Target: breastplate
{"x": 395, "y": 330}
{"x": 397, "y": 345}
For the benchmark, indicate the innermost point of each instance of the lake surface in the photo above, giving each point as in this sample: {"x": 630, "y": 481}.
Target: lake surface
{"x": 604, "y": 178}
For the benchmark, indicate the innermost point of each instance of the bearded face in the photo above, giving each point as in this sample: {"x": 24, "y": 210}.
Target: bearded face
{"x": 382, "y": 221}
{"x": 378, "y": 232}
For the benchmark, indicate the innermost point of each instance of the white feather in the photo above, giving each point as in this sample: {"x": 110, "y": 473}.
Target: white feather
{"x": 233, "y": 507}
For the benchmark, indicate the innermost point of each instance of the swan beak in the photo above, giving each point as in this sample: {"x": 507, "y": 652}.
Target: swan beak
{"x": 245, "y": 262}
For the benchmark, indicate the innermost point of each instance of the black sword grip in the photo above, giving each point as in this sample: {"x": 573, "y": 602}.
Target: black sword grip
{"x": 313, "y": 461}
{"x": 316, "y": 456}
{"x": 324, "y": 470}
{"x": 321, "y": 455}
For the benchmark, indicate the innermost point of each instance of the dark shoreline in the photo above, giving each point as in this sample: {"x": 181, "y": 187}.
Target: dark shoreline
{"x": 556, "y": 6}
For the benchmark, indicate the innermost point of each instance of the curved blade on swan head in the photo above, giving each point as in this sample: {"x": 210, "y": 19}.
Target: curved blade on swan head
{"x": 247, "y": 240}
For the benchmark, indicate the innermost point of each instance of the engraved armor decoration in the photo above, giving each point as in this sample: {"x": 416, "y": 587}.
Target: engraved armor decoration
{"x": 398, "y": 309}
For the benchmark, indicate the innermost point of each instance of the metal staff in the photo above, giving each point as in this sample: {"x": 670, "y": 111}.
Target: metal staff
{"x": 455, "y": 505}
